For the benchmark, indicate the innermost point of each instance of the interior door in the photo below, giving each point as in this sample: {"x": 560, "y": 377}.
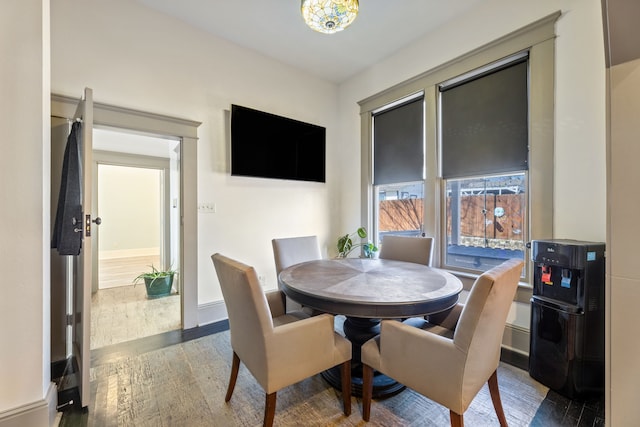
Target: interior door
{"x": 83, "y": 276}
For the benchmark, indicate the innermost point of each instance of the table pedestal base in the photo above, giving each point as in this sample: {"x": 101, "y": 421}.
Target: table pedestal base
{"x": 358, "y": 331}
{"x": 383, "y": 386}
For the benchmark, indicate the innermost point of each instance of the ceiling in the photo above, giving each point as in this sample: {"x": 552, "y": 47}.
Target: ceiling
{"x": 276, "y": 29}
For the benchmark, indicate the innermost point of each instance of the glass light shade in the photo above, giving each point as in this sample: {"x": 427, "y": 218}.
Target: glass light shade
{"x": 329, "y": 16}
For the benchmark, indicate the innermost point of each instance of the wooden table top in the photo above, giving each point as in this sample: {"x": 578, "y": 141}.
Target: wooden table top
{"x": 370, "y": 288}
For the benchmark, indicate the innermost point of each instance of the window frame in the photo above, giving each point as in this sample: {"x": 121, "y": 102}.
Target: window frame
{"x": 538, "y": 38}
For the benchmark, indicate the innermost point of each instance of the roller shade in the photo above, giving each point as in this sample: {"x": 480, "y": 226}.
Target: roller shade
{"x": 484, "y": 123}
{"x": 398, "y": 144}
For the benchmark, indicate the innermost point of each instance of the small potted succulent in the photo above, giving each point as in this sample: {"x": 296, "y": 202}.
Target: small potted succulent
{"x": 346, "y": 244}
{"x": 157, "y": 282}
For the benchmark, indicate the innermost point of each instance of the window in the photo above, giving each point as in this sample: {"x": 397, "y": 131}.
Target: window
{"x": 398, "y": 168}
{"x": 485, "y": 220}
{"x": 509, "y": 181}
{"x": 400, "y": 209}
{"x": 483, "y": 133}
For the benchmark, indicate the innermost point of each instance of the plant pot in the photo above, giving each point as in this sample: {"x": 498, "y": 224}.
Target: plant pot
{"x": 159, "y": 287}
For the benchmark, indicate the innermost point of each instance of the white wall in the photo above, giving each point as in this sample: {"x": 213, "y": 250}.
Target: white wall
{"x": 579, "y": 158}
{"x": 135, "y": 57}
{"x": 129, "y": 205}
{"x": 622, "y": 250}
{"x": 24, "y": 217}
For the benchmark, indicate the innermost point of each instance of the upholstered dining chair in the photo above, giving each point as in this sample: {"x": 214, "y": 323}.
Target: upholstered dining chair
{"x": 279, "y": 349}
{"x": 407, "y": 248}
{"x": 294, "y": 250}
{"x": 450, "y": 360}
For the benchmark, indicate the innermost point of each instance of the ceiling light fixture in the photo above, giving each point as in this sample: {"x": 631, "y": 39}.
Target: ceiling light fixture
{"x": 329, "y": 16}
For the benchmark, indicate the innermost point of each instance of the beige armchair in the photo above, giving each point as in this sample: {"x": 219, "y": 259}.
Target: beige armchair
{"x": 448, "y": 362}
{"x": 279, "y": 349}
{"x": 406, "y": 248}
{"x": 294, "y": 250}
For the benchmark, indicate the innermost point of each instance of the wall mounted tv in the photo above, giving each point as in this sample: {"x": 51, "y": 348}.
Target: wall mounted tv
{"x": 268, "y": 146}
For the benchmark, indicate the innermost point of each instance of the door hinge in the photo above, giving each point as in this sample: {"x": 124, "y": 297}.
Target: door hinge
{"x": 69, "y": 319}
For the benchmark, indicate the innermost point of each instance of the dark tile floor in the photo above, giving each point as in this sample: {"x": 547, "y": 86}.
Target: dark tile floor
{"x": 555, "y": 410}
{"x": 558, "y": 410}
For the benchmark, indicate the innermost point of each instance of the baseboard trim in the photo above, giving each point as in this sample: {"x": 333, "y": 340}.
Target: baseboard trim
{"x": 514, "y": 358}
{"x": 212, "y": 312}
{"x": 515, "y": 346}
{"x": 129, "y": 253}
{"x": 516, "y": 338}
{"x": 40, "y": 413}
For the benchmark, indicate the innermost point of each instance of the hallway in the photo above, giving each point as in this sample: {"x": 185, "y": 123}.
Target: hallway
{"x": 121, "y": 312}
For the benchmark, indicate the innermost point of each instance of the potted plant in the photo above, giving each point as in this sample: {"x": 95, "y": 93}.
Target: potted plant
{"x": 157, "y": 282}
{"x": 346, "y": 244}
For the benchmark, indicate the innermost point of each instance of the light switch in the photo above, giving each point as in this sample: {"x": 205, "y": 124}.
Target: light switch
{"x": 208, "y": 207}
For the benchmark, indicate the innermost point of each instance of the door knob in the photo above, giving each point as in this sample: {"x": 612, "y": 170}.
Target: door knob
{"x": 97, "y": 221}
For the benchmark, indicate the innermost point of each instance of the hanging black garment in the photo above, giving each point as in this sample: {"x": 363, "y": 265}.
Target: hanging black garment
{"x": 67, "y": 230}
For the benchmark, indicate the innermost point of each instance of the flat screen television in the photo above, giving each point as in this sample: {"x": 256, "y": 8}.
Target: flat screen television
{"x": 269, "y": 146}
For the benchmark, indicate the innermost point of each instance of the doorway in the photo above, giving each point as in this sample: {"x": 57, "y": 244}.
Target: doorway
{"x": 71, "y": 288}
{"x": 136, "y": 194}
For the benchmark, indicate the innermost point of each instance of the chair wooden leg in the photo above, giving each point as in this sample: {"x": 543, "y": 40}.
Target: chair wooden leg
{"x": 345, "y": 378}
{"x": 457, "y": 420}
{"x": 367, "y": 390}
{"x": 235, "y": 367}
{"x": 495, "y": 398}
{"x": 269, "y": 409}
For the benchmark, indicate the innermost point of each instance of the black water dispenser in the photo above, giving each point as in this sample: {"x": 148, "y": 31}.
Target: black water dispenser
{"x": 566, "y": 351}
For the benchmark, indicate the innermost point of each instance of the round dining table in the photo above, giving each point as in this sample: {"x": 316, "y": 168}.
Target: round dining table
{"x": 366, "y": 291}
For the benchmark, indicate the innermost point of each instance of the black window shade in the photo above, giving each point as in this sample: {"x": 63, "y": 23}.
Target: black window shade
{"x": 484, "y": 123}
{"x": 398, "y": 144}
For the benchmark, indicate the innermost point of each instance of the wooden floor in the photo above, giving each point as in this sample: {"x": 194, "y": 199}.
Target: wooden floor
{"x": 116, "y": 272}
{"x": 145, "y": 370}
{"x": 179, "y": 378}
{"x": 122, "y": 312}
